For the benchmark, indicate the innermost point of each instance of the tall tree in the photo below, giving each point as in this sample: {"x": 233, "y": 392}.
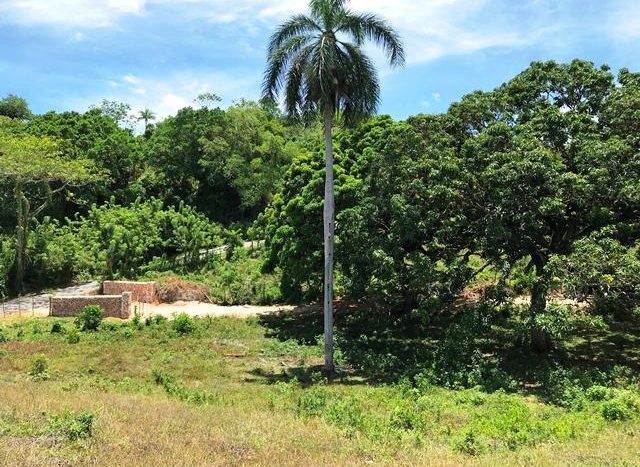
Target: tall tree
{"x": 146, "y": 115}
{"x": 317, "y": 62}
{"x": 33, "y": 164}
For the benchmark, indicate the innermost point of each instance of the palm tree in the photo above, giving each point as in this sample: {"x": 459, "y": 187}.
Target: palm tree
{"x": 317, "y": 62}
{"x": 147, "y": 116}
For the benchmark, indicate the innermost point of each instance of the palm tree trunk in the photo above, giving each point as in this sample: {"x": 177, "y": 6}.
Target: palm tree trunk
{"x": 22, "y": 215}
{"x": 329, "y": 227}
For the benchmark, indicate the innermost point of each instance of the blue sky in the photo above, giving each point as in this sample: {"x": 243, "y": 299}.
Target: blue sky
{"x": 69, "y": 54}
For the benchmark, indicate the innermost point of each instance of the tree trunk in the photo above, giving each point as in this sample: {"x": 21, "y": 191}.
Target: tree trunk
{"x": 540, "y": 339}
{"x": 329, "y": 227}
{"x": 22, "y": 217}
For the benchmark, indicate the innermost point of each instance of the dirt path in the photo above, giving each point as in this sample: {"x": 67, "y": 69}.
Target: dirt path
{"x": 38, "y": 305}
{"x": 207, "y": 309}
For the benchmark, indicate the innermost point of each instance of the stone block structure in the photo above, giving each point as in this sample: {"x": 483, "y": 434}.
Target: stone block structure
{"x": 114, "y": 306}
{"x": 144, "y": 292}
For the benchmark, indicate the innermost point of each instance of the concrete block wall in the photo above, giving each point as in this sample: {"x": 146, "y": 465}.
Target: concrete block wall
{"x": 114, "y": 306}
{"x": 144, "y": 292}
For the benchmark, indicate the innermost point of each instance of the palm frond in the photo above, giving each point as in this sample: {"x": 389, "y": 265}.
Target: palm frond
{"x": 296, "y": 26}
{"x": 360, "y": 89}
{"x": 278, "y": 61}
{"x": 363, "y": 26}
{"x": 326, "y": 11}
{"x": 296, "y": 85}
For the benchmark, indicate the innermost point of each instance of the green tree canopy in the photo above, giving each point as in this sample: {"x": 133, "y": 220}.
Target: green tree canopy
{"x": 33, "y": 165}
{"x": 14, "y": 107}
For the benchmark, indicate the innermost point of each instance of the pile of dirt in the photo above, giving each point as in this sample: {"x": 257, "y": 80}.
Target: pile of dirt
{"x": 175, "y": 290}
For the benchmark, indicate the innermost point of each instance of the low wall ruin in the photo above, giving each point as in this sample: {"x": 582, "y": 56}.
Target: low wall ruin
{"x": 114, "y": 306}
{"x": 144, "y": 292}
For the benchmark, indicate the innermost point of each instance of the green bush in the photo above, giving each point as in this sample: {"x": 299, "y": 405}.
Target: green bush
{"x": 599, "y": 393}
{"x": 184, "y": 324}
{"x": 72, "y": 426}
{"x": 470, "y": 443}
{"x": 155, "y": 320}
{"x": 39, "y": 368}
{"x": 56, "y": 328}
{"x": 624, "y": 406}
{"x": 73, "y": 336}
{"x": 89, "y": 318}
{"x": 615, "y": 410}
{"x": 175, "y": 389}
{"x": 4, "y": 335}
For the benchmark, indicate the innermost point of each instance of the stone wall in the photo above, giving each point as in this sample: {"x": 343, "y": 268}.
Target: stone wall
{"x": 144, "y": 292}
{"x": 114, "y": 306}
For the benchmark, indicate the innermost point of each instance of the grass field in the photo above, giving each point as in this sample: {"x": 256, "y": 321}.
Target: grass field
{"x": 228, "y": 391}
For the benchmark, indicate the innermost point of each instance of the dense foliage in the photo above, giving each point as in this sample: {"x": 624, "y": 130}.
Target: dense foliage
{"x": 533, "y": 188}
{"x": 528, "y": 172}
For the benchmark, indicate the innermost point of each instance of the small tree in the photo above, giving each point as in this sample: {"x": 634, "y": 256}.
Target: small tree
{"x": 34, "y": 165}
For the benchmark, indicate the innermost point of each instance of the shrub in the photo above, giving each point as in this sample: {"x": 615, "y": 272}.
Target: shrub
{"x": 173, "y": 388}
{"x": 56, "y": 328}
{"x": 598, "y": 393}
{"x": 137, "y": 319}
{"x": 39, "y": 368}
{"x": 72, "y": 426}
{"x": 184, "y": 324}
{"x": 89, "y": 318}
{"x": 623, "y": 406}
{"x": 73, "y": 336}
{"x": 469, "y": 443}
{"x": 4, "y": 335}
{"x": 615, "y": 410}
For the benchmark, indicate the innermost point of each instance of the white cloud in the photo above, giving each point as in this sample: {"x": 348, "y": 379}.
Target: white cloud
{"x": 69, "y": 13}
{"x": 436, "y": 96}
{"x": 131, "y": 79}
{"x": 431, "y": 29}
{"x": 165, "y": 96}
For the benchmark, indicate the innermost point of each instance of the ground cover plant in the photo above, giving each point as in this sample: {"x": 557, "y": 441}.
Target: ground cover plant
{"x": 251, "y": 391}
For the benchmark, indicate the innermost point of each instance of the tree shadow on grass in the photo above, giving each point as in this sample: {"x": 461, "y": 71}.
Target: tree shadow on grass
{"x": 305, "y": 376}
{"x": 455, "y": 350}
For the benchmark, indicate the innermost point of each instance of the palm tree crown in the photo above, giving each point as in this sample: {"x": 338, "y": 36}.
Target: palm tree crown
{"x": 147, "y": 115}
{"x": 316, "y": 60}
